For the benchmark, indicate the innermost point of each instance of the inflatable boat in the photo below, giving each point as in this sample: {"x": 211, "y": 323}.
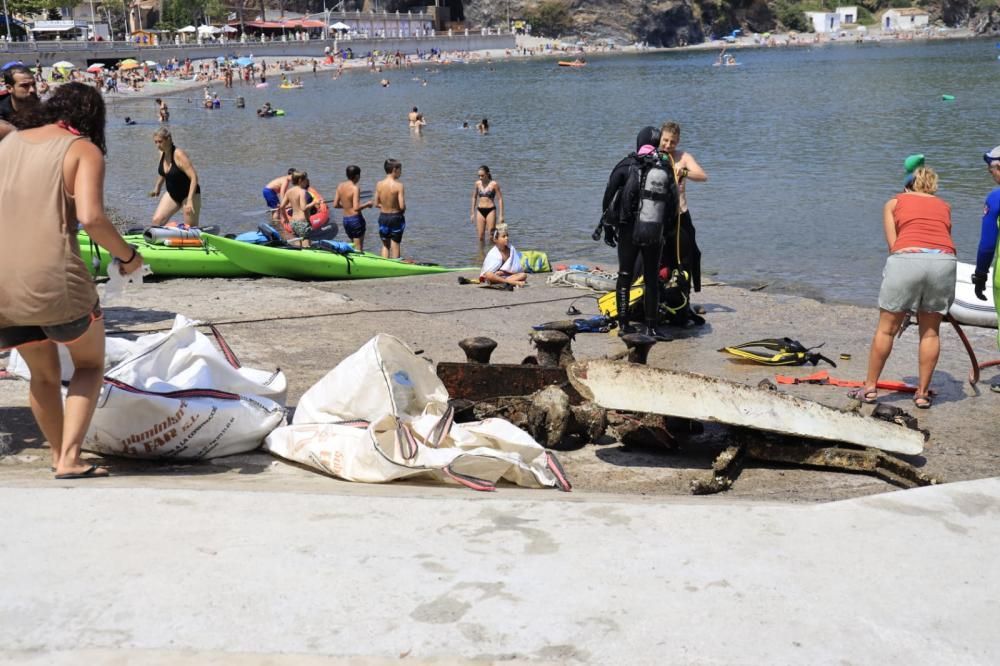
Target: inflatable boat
{"x": 967, "y": 309}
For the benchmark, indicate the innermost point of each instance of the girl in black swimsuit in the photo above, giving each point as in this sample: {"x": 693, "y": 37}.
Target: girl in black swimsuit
{"x": 181, "y": 180}
{"x": 487, "y": 204}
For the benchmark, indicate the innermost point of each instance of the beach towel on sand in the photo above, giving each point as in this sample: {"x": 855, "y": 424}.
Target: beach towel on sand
{"x": 382, "y": 414}
{"x": 494, "y": 262}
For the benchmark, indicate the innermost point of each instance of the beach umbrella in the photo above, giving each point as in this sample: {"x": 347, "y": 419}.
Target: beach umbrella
{"x": 188, "y": 28}
{"x": 96, "y": 67}
{"x": 228, "y": 28}
{"x": 128, "y": 63}
{"x": 245, "y": 61}
{"x": 220, "y": 59}
{"x": 208, "y": 29}
{"x": 63, "y": 64}
{"x": 150, "y": 63}
{"x": 340, "y": 26}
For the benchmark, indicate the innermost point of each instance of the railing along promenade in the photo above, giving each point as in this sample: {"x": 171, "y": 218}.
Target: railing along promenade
{"x": 50, "y": 51}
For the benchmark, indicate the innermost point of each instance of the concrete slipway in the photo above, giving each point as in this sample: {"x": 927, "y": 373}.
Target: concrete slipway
{"x": 104, "y": 574}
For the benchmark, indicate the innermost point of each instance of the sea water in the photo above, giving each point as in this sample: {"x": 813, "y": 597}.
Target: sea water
{"x": 802, "y": 145}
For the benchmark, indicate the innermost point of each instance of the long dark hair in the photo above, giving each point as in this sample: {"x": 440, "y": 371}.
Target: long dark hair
{"x": 78, "y": 105}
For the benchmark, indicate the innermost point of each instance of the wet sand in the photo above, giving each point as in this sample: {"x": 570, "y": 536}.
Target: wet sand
{"x": 305, "y": 328}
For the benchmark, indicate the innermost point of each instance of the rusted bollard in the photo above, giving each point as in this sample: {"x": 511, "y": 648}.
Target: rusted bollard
{"x": 566, "y": 326}
{"x": 638, "y": 347}
{"x": 478, "y": 349}
{"x": 551, "y": 346}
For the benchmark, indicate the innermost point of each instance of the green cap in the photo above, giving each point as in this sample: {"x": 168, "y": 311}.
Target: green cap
{"x": 913, "y": 162}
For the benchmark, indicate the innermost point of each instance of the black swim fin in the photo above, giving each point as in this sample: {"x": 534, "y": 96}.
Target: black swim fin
{"x": 778, "y": 351}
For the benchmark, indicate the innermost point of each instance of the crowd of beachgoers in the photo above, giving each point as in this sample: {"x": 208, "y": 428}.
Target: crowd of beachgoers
{"x": 153, "y": 78}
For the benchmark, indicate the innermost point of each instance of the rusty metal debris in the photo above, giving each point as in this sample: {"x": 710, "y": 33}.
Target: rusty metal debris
{"x": 539, "y": 397}
{"x": 478, "y": 381}
{"x": 554, "y": 348}
{"x": 478, "y": 349}
{"x": 728, "y": 465}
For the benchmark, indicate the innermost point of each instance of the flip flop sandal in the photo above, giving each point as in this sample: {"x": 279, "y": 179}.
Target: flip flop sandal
{"x": 922, "y": 401}
{"x": 89, "y": 473}
{"x": 865, "y": 395}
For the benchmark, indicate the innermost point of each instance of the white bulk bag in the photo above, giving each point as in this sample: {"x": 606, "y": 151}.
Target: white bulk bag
{"x": 382, "y": 377}
{"x": 390, "y": 449}
{"x": 382, "y": 415}
{"x": 178, "y": 397}
{"x": 186, "y": 358}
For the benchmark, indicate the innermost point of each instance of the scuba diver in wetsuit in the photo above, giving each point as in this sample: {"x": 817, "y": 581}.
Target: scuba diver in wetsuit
{"x": 634, "y": 218}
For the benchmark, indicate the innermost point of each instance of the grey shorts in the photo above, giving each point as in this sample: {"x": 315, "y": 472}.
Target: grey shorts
{"x": 918, "y": 282}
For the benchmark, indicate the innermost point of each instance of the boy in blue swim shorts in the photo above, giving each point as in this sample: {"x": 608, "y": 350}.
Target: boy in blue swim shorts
{"x": 348, "y": 198}
{"x": 390, "y": 199}
{"x": 275, "y": 190}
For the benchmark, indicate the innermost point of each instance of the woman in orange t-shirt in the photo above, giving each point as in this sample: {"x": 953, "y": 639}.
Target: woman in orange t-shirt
{"x": 919, "y": 277}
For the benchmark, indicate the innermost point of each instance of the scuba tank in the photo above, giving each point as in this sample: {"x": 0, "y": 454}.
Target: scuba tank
{"x": 656, "y": 191}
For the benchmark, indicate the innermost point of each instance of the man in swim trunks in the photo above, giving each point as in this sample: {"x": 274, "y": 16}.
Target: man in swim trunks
{"x": 390, "y": 199}
{"x": 348, "y": 197}
{"x": 296, "y": 197}
{"x": 275, "y": 190}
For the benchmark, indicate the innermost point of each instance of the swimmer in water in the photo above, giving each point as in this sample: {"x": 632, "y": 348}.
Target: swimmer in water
{"x": 487, "y": 204}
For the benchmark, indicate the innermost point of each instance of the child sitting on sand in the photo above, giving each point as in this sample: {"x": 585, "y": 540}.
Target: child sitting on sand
{"x": 503, "y": 263}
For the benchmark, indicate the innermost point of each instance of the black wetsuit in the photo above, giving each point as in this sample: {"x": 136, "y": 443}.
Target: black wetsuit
{"x": 690, "y": 254}
{"x": 176, "y": 181}
{"x": 629, "y": 253}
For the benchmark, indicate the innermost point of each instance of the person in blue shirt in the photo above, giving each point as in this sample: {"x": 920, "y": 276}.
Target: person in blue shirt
{"x": 988, "y": 237}
{"x": 988, "y": 233}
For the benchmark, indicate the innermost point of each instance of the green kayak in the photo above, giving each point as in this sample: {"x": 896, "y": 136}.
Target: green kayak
{"x": 166, "y": 261}
{"x": 314, "y": 264}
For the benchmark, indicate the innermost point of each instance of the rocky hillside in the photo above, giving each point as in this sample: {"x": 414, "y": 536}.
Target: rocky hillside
{"x": 673, "y": 22}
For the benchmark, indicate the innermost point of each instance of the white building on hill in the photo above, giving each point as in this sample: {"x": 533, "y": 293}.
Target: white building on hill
{"x": 908, "y": 18}
{"x": 833, "y": 21}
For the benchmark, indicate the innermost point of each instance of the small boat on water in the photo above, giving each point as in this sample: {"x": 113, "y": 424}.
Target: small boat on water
{"x": 572, "y": 63}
